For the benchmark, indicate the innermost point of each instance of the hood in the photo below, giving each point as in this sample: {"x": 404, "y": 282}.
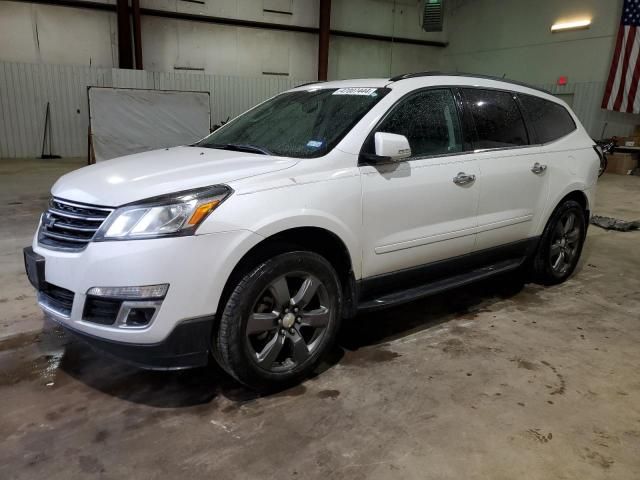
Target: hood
{"x": 135, "y": 177}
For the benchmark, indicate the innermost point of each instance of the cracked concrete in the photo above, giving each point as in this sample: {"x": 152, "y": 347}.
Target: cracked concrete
{"x": 495, "y": 381}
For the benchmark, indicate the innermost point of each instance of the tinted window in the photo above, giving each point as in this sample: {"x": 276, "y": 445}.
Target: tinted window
{"x": 305, "y": 123}
{"x": 549, "y": 120}
{"x": 429, "y": 120}
{"x": 497, "y": 119}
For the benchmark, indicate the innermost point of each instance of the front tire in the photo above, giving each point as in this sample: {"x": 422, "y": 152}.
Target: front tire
{"x": 561, "y": 244}
{"x": 279, "y": 321}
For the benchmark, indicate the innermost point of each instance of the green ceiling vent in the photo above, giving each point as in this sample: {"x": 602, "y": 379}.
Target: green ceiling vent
{"x": 433, "y": 15}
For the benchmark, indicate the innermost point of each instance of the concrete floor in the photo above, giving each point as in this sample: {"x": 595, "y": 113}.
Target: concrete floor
{"x": 24, "y": 193}
{"x": 494, "y": 381}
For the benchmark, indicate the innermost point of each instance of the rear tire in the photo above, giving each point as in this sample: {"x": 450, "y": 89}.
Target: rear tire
{"x": 279, "y": 321}
{"x": 561, "y": 244}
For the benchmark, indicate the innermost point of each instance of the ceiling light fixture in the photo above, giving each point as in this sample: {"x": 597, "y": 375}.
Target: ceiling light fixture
{"x": 572, "y": 25}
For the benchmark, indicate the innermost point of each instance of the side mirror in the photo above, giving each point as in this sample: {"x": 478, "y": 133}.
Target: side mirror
{"x": 389, "y": 148}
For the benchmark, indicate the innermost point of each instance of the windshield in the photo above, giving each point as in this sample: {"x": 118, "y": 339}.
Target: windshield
{"x": 299, "y": 124}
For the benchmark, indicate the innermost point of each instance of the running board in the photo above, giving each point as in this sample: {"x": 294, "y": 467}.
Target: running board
{"x": 438, "y": 286}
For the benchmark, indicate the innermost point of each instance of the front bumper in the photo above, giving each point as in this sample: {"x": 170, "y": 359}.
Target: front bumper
{"x": 187, "y": 346}
{"x": 195, "y": 267}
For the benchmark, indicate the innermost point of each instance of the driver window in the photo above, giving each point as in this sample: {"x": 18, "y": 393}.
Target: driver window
{"x": 429, "y": 120}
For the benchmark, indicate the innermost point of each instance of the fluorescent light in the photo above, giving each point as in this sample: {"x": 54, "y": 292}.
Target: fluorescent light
{"x": 572, "y": 25}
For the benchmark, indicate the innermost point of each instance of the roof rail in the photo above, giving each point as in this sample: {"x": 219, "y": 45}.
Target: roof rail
{"x": 468, "y": 75}
{"x": 309, "y": 83}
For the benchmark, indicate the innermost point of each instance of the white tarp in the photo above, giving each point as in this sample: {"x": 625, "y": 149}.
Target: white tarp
{"x": 125, "y": 120}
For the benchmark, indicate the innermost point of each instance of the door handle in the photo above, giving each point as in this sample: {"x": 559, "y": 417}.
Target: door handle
{"x": 538, "y": 168}
{"x": 463, "y": 179}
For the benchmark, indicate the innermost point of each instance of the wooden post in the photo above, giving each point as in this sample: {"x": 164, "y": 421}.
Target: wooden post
{"x": 323, "y": 39}
{"x": 137, "y": 33}
{"x": 125, "y": 56}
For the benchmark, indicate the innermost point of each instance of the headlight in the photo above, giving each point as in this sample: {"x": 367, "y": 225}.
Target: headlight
{"x": 167, "y": 215}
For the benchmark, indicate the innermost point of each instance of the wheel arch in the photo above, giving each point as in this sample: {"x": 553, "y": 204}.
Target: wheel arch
{"x": 575, "y": 193}
{"x": 312, "y": 238}
{"x": 579, "y": 196}
{"x": 541, "y": 269}
{"x": 582, "y": 198}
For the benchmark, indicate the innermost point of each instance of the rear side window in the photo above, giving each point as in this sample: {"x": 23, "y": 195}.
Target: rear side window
{"x": 497, "y": 119}
{"x": 549, "y": 120}
{"x": 429, "y": 120}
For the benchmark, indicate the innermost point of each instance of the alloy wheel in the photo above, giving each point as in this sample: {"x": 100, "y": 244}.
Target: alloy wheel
{"x": 288, "y": 322}
{"x": 565, "y": 242}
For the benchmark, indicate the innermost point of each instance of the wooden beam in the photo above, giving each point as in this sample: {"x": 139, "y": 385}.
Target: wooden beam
{"x": 125, "y": 57}
{"x": 323, "y": 39}
{"x": 137, "y": 33}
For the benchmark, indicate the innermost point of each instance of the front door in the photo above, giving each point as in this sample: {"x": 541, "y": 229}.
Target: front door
{"x": 418, "y": 211}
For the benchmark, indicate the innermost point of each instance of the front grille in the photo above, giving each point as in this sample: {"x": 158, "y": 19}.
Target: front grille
{"x": 57, "y": 298}
{"x": 70, "y": 226}
{"x": 101, "y": 310}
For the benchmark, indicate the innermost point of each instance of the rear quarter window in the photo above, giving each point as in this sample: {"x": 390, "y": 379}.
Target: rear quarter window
{"x": 549, "y": 120}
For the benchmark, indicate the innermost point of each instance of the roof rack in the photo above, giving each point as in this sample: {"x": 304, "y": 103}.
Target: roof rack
{"x": 470, "y": 75}
{"x": 309, "y": 83}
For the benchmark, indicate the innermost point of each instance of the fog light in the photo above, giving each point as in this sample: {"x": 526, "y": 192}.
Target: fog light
{"x": 145, "y": 292}
{"x": 137, "y": 314}
{"x": 139, "y": 317}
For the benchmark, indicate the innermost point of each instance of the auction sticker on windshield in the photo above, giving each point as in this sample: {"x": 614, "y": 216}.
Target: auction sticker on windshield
{"x": 354, "y": 91}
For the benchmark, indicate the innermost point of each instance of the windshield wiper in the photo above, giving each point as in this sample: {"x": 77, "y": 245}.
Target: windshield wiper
{"x": 241, "y": 147}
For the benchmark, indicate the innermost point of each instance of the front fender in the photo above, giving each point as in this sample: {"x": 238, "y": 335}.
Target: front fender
{"x": 333, "y": 205}
{"x": 288, "y": 220}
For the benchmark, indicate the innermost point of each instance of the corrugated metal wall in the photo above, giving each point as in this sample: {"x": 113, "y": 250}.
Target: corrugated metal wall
{"x": 587, "y": 98}
{"x": 25, "y": 90}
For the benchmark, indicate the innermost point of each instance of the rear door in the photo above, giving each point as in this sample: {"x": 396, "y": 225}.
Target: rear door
{"x": 513, "y": 181}
{"x": 414, "y": 212}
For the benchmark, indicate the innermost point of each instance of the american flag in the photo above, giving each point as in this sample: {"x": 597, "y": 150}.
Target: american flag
{"x": 621, "y": 93}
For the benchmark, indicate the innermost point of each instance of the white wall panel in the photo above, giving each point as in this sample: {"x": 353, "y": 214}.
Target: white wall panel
{"x": 31, "y": 33}
{"x": 17, "y": 36}
{"x": 303, "y": 12}
{"x": 514, "y": 38}
{"x": 75, "y": 36}
{"x": 226, "y": 50}
{"x": 400, "y": 18}
{"x": 25, "y": 90}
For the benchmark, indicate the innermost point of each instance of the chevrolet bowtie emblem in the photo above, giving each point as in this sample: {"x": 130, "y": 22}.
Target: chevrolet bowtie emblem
{"x": 48, "y": 221}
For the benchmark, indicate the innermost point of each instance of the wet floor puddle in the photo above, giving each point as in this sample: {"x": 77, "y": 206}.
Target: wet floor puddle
{"x": 32, "y": 357}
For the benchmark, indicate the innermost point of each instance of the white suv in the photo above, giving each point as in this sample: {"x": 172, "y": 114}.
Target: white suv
{"x": 323, "y": 201}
